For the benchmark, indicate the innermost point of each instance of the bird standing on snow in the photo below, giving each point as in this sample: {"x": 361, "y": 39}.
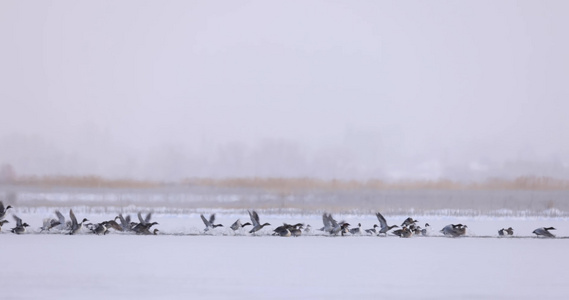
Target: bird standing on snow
{"x": 308, "y": 229}
{"x": 372, "y": 230}
{"x": 297, "y": 230}
{"x": 406, "y": 232}
{"x": 357, "y": 230}
{"x": 425, "y": 231}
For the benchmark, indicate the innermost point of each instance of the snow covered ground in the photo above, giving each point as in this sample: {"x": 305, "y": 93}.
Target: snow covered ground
{"x": 182, "y": 265}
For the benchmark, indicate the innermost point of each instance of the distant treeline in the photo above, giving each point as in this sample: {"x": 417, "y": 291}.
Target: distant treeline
{"x": 520, "y": 183}
{"x": 84, "y": 182}
{"x": 297, "y": 184}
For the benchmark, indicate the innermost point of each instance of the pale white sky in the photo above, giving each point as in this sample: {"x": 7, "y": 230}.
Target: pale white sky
{"x": 170, "y": 89}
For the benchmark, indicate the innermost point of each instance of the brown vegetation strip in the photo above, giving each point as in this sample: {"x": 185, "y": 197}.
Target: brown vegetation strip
{"x": 299, "y": 184}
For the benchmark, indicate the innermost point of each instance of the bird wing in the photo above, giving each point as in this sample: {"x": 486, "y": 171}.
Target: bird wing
{"x": 73, "y": 218}
{"x": 334, "y": 223}
{"x": 123, "y": 221}
{"x": 381, "y": 220}
{"x": 140, "y": 219}
{"x": 18, "y": 221}
{"x": 325, "y": 220}
{"x": 236, "y": 225}
{"x": 60, "y": 217}
{"x": 254, "y": 218}
{"x": 127, "y": 219}
{"x": 148, "y": 217}
{"x": 205, "y": 221}
{"x": 1, "y": 206}
{"x": 212, "y": 219}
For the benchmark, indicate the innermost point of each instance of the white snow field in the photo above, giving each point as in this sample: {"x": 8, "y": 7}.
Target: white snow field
{"x": 182, "y": 263}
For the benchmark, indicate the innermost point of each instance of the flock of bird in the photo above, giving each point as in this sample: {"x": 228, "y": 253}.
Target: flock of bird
{"x": 72, "y": 226}
{"x": 407, "y": 229}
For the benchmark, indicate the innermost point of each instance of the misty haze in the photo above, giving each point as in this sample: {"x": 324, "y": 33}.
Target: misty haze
{"x": 366, "y": 90}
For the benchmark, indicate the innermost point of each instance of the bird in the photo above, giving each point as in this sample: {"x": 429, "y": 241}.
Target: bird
{"x": 256, "y": 223}
{"x": 384, "y": 227}
{"x": 425, "y": 231}
{"x": 287, "y": 230}
{"x": 144, "y": 228}
{"x": 510, "y": 231}
{"x": 332, "y": 226}
{"x": 416, "y": 229}
{"x": 209, "y": 223}
{"x": 372, "y": 230}
{"x": 62, "y": 224}
{"x": 146, "y": 220}
{"x": 461, "y": 229}
{"x": 357, "y": 230}
{"x": 49, "y": 224}
{"x": 2, "y": 223}
{"x": 454, "y": 230}
{"x": 329, "y": 222}
{"x": 501, "y": 232}
{"x": 3, "y": 210}
{"x": 75, "y": 226}
{"x": 139, "y": 228}
{"x": 20, "y": 226}
{"x": 399, "y": 232}
{"x": 125, "y": 222}
{"x": 297, "y": 230}
{"x": 308, "y": 229}
{"x": 544, "y": 231}
{"x": 283, "y": 230}
{"x": 237, "y": 225}
{"x": 341, "y": 227}
{"x": 406, "y": 232}
{"x": 103, "y": 227}
{"x": 409, "y": 221}
{"x": 98, "y": 228}
{"x": 114, "y": 225}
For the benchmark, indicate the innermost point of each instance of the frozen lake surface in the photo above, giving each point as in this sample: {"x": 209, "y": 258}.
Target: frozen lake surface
{"x": 222, "y": 266}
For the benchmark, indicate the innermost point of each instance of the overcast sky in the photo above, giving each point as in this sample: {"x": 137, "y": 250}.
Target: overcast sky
{"x": 349, "y": 89}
